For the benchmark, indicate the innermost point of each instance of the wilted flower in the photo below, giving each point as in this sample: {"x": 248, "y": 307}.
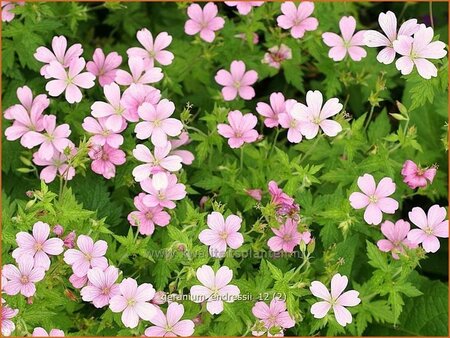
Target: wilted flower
{"x": 415, "y": 176}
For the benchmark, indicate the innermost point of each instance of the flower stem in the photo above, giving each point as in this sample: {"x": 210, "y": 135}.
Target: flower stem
{"x": 274, "y": 142}
{"x": 242, "y": 158}
{"x": 430, "y": 4}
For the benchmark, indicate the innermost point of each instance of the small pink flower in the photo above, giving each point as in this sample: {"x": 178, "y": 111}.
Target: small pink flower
{"x": 27, "y": 102}
{"x": 298, "y": 20}
{"x": 170, "y": 325}
{"x": 102, "y": 286}
{"x": 431, "y": 226}
{"x": 78, "y": 282}
{"x": 415, "y": 52}
{"x": 134, "y": 96}
{"x": 388, "y": 23}
{"x": 104, "y": 68}
{"x": 56, "y": 165}
{"x": 22, "y": 279}
{"x": 415, "y": 176}
{"x": 336, "y": 300}
{"x": 292, "y": 122}
{"x": 374, "y": 198}
{"x": 105, "y": 159}
{"x": 240, "y": 130}
{"x": 276, "y": 55}
{"x": 396, "y": 238}
{"x": 69, "y": 81}
{"x": 38, "y": 245}
{"x": 58, "y": 230}
{"x": 157, "y": 122}
{"x": 186, "y": 156}
{"x": 278, "y": 197}
{"x": 40, "y": 332}
{"x": 222, "y": 233}
{"x": 286, "y": 237}
{"x": 153, "y": 50}
{"x": 272, "y": 112}
{"x": 273, "y": 315}
{"x": 350, "y": 41}
{"x": 140, "y": 73}
{"x": 244, "y": 7}
{"x": 237, "y": 81}
{"x": 7, "y": 314}
{"x": 7, "y": 15}
{"x": 90, "y": 255}
{"x": 256, "y": 194}
{"x": 146, "y": 217}
{"x": 163, "y": 189}
{"x": 104, "y": 133}
{"x": 215, "y": 288}
{"x": 114, "y": 111}
{"x": 24, "y": 122}
{"x": 204, "y": 21}
{"x": 133, "y": 302}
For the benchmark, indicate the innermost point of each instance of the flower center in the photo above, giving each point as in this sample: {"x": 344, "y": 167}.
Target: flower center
{"x": 373, "y": 199}
{"x": 148, "y": 215}
{"x": 24, "y": 279}
{"x": 236, "y": 84}
{"x": 238, "y": 134}
{"x": 223, "y": 235}
{"x": 105, "y": 291}
{"x": 293, "y": 123}
{"x": 131, "y": 302}
{"x": 287, "y": 238}
{"x": 161, "y": 196}
{"x": 428, "y": 230}
{"x": 168, "y": 328}
{"x": 151, "y": 53}
{"x": 317, "y": 120}
{"x": 157, "y": 123}
{"x": 88, "y": 256}
{"x": 38, "y": 247}
{"x": 105, "y": 157}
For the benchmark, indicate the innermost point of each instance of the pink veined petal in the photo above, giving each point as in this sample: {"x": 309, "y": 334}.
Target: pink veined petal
{"x": 55, "y": 87}
{"x": 73, "y": 94}
{"x": 405, "y": 65}
{"x": 184, "y": 328}
{"x": 130, "y": 318}
{"x": 192, "y": 27}
{"x": 206, "y": 276}
{"x": 349, "y": 298}
{"x": 237, "y": 69}
{"x": 425, "y": 68}
{"x": 375, "y": 39}
{"x": 342, "y": 315}
{"x": 386, "y": 55}
{"x": 245, "y": 92}
{"x": 319, "y": 290}
{"x": 53, "y": 246}
{"x": 330, "y": 128}
{"x": 200, "y": 293}
{"x": 388, "y": 23}
{"x": 385, "y": 245}
{"x": 357, "y": 53}
{"x": 320, "y": 309}
{"x": 118, "y": 303}
{"x": 385, "y": 187}
{"x": 338, "y": 285}
{"x": 418, "y": 217}
{"x": 409, "y": 27}
{"x": 431, "y": 244}
{"x": 145, "y": 310}
{"x": 337, "y": 53}
{"x": 403, "y": 45}
{"x": 223, "y": 276}
{"x": 229, "y": 93}
{"x": 155, "y": 331}
{"x": 387, "y": 205}
{"x": 359, "y": 200}
{"x": 416, "y": 236}
{"x": 367, "y": 184}
{"x": 373, "y": 214}
{"x": 207, "y": 35}
{"x": 174, "y": 313}
{"x": 214, "y": 307}
{"x": 332, "y": 39}
{"x": 347, "y": 24}
{"x": 224, "y": 78}
{"x": 441, "y": 230}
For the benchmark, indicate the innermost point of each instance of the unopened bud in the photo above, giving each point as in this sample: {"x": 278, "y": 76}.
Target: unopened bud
{"x": 159, "y": 298}
{"x": 311, "y": 246}
{"x": 69, "y": 241}
{"x": 58, "y": 230}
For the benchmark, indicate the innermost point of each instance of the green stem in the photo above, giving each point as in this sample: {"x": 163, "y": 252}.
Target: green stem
{"x": 242, "y": 158}
{"x": 195, "y": 129}
{"x": 430, "y": 4}
{"x": 372, "y": 108}
{"x": 274, "y": 142}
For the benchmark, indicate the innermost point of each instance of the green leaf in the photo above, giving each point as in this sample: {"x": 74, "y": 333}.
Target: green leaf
{"x": 376, "y": 258}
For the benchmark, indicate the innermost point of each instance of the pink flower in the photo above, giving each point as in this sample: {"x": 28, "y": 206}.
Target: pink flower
{"x": 7, "y": 16}
{"x": 25, "y": 96}
{"x": 374, "y": 198}
{"x": 40, "y": 332}
{"x": 272, "y": 112}
{"x": 104, "y": 133}
{"x": 237, "y": 81}
{"x": 336, "y": 300}
{"x": 170, "y": 325}
{"x": 431, "y": 226}
{"x": 58, "y": 230}
{"x": 146, "y": 217}
{"x": 240, "y": 130}
{"x": 78, "y": 282}
{"x": 314, "y": 116}
{"x": 417, "y": 177}
{"x": 157, "y": 122}
{"x": 69, "y": 240}
{"x": 286, "y": 237}
{"x": 416, "y": 51}
{"x": 276, "y": 55}
{"x": 222, "y": 233}
{"x": 24, "y": 121}
{"x": 293, "y": 124}
{"x": 69, "y": 81}
{"x": 215, "y": 288}
{"x": 163, "y": 189}
{"x": 7, "y": 324}
{"x": 298, "y": 20}
{"x": 22, "y": 279}
{"x": 278, "y": 197}
{"x": 102, "y": 286}
{"x": 38, "y": 245}
{"x": 244, "y": 7}
{"x": 104, "y": 68}
{"x": 204, "y": 21}
{"x": 114, "y": 111}
{"x": 140, "y": 73}
{"x": 388, "y": 23}
{"x": 186, "y": 156}
{"x": 256, "y": 194}
{"x": 134, "y": 96}
{"x": 350, "y": 41}
{"x": 132, "y": 302}
{"x": 59, "y": 54}
{"x": 105, "y": 159}
{"x": 396, "y": 237}
{"x": 56, "y": 165}
{"x": 273, "y": 315}
{"x": 55, "y": 139}
{"x": 90, "y": 255}
{"x": 153, "y": 50}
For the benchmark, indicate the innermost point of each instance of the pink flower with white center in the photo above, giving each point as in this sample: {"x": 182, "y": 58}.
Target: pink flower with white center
{"x": 24, "y": 121}
{"x": 40, "y": 332}
{"x": 222, "y": 233}
{"x": 244, "y": 7}
{"x": 291, "y": 123}
{"x": 297, "y": 19}
{"x": 159, "y": 161}
{"x": 314, "y": 116}
{"x": 78, "y": 282}
{"x": 215, "y": 288}
{"x": 415, "y": 176}
{"x": 272, "y": 112}
{"x": 431, "y": 226}
{"x": 388, "y": 23}
{"x": 157, "y": 122}
{"x": 133, "y": 302}
{"x": 286, "y": 237}
{"x": 53, "y": 140}
{"x": 27, "y": 102}
{"x": 186, "y": 156}
{"x": 103, "y": 133}
{"x": 21, "y": 280}
{"x": 105, "y": 159}
{"x": 240, "y": 129}
{"x": 374, "y": 198}
{"x": 237, "y": 81}
{"x": 69, "y": 81}
{"x": 153, "y": 50}
{"x": 349, "y": 42}
{"x": 204, "y": 21}
{"x": 134, "y": 96}
{"x": 163, "y": 189}
{"x": 113, "y": 110}
{"x": 170, "y": 325}
{"x": 7, "y": 324}
{"x": 276, "y": 55}
{"x": 140, "y": 73}
{"x": 146, "y": 217}
{"x": 396, "y": 238}
{"x": 60, "y": 54}
{"x": 90, "y": 255}
{"x": 102, "y": 286}
{"x": 278, "y": 197}
{"x": 336, "y": 300}
{"x": 38, "y": 245}
{"x": 7, "y": 15}
{"x": 104, "y": 68}
{"x": 415, "y": 52}
{"x": 273, "y": 315}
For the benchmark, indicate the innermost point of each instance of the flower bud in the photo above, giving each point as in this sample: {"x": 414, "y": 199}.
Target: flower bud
{"x": 311, "y": 246}
{"x": 58, "y": 230}
{"x": 159, "y": 298}
{"x": 256, "y": 194}
{"x": 203, "y": 201}
{"x": 69, "y": 241}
